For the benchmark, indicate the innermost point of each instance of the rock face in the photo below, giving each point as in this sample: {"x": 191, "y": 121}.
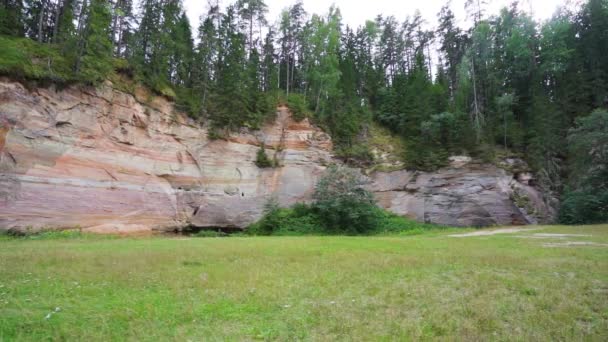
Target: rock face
{"x": 106, "y": 161}
{"x": 102, "y": 160}
{"x": 464, "y": 194}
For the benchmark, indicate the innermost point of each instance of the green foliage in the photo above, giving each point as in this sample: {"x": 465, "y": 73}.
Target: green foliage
{"x": 439, "y": 136}
{"x": 357, "y": 154}
{"x": 341, "y": 206}
{"x": 588, "y": 143}
{"x": 304, "y": 219}
{"x": 342, "y": 202}
{"x": 586, "y": 201}
{"x": 584, "y": 207}
{"x": 47, "y": 234}
{"x": 210, "y": 234}
{"x": 216, "y": 134}
{"x": 97, "y": 58}
{"x": 11, "y": 18}
{"x": 425, "y": 157}
{"x": 71, "y": 57}
{"x": 298, "y": 220}
{"x": 261, "y": 159}
{"x": 298, "y": 106}
{"x": 394, "y": 224}
{"x": 25, "y": 58}
{"x": 55, "y": 235}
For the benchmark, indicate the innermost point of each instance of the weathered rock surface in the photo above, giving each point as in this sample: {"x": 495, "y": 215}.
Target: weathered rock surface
{"x": 464, "y": 194}
{"x": 101, "y": 159}
{"x": 107, "y": 161}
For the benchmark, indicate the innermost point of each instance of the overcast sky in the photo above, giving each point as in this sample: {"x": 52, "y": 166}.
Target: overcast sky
{"x": 354, "y": 12}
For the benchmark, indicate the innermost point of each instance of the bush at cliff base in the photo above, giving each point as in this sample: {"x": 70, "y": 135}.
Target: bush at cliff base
{"x": 341, "y": 205}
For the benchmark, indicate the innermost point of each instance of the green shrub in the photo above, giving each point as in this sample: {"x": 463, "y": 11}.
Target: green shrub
{"x": 356, "y": 154}
{"x": 342, "y": 202}
{"x": 584, "y": 207}
{"x": 215, "y": 133}
{"x": 263, "y": 109}
{"x": 210, "y": 234}
{"x": 261, "y": 159}
{"x": 392, "y": 223}
{"x": 298, "y": 106}
{"x": 187, "y": 101}
{"x": 341, "y": 206}
{"x": 297, "y": 220}
{"x": 25, "y": 58}
{"x": 587, "y": 198}
{"x": 58, "y": 234}
{"x": 67, "y": 234}
{"x": 303, "y": 219}
{"x": 420, "y": 156}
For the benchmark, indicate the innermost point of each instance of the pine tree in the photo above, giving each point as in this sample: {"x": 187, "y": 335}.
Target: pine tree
{"x": 229, "y": 108}
{"x": 11, "y": 17}
{"x": 205, "y": 61}
{"x": 97, "y": 57}
{"x": 64, "y": 29}
{"x": 252, "y": 11}
{"x": 122, "y": 16}
{"x": 269, "y": 64}
{"x": 452, "y": 45}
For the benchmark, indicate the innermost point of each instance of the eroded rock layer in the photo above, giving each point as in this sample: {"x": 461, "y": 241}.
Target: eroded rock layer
{"x": 107, "y": 161}
{"x": 101, "y": 159}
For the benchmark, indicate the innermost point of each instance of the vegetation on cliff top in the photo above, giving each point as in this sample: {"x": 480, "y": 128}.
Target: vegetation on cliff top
{"x": 506, "y": 81}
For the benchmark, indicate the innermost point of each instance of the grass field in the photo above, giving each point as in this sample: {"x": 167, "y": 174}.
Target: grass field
{"x": 517, "y": 286}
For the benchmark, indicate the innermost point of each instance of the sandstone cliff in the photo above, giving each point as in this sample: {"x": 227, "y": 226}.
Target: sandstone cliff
{"x": 107, "y": 161}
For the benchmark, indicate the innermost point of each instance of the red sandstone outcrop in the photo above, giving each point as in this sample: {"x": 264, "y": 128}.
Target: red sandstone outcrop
{"x": 102, "y": 160}
{"x": 107, "y": 161}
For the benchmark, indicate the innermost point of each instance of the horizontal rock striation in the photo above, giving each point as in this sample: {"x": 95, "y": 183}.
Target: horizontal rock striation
{"x": 107, "y": 161}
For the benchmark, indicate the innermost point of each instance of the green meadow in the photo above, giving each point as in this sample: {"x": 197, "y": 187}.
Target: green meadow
{"x": 529, "y": 285}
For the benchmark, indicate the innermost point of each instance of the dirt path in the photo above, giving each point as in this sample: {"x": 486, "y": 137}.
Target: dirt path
{"x": 575, "y": 244}
{"x": 494, "y": 232}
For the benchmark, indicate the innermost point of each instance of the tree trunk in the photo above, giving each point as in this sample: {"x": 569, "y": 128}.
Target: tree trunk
{"x": 40, "y": 21}
{"x": 428, "y": 49}
{"x": 476, "y": 112}
{"x": 287, "y": 78}
{"x": 504, "y": 117}
{"x": 120, "y": 37}
{"x": 81, "y": 34}
{"x": 319, "y": 98}
{"x": 115, "y": 25}
{"x": 250, "y": 35}
{"x": 58, "y": 13}
{"x": 293, "y": 67}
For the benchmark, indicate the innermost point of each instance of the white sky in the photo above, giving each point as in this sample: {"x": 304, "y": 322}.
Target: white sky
{"x": 355, "y": 12}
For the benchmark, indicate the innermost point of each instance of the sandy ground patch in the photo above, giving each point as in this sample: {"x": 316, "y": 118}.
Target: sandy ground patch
{"x": 494, "y": 232}
{"x": 574, "y": 244}
{"x": 552, "y": 236}
{"x": 559, "y": 236}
